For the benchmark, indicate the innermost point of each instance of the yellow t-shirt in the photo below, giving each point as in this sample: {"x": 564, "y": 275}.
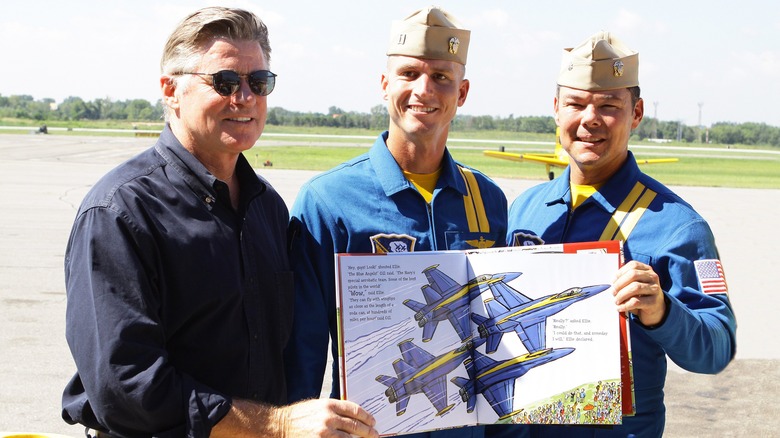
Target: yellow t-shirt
{"x": 580, "y": 193}
{"x": 424, "y": 182}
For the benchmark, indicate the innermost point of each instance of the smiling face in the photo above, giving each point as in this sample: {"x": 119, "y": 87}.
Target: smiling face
{"x": 207, "y": 123}
{"x": 423, "y": 96}
{"x": 595, "y": 128}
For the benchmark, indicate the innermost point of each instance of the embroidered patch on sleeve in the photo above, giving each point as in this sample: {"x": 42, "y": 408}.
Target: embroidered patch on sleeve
{"x": 711, "y": 276}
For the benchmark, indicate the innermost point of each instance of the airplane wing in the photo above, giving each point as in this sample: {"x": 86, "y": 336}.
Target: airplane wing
{"x": 414, "y": 355}
{"x": 501, "y": 394}
{"x": 547, "y": 159}
{"x": 429, "y": 329}
{"x": 501, "y": 397}
{"x": 656, "y": 160}
{"x": 508, "y": 296}
{"x": 439, "y": 281}
{"x": 459, "y": 318}
{"x": 436, "y": 391}
{"x": 533, "y": 334}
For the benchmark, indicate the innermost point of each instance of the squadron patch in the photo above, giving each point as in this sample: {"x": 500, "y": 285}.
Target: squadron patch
{"x": 387, "y": 243}
{"x": 523, "y": 238}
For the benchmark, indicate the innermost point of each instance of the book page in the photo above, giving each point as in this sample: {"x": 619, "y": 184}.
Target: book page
{"x": 402, "y": 321}
{"x": 552, "y": 354}
{"x": 436, "y": 340}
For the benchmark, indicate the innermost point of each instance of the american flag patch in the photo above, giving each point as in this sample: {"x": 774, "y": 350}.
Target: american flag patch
{"x": 711, "y": 277}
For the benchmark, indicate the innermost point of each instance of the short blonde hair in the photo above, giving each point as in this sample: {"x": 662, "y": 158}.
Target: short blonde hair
{"x": 186, "y": 42}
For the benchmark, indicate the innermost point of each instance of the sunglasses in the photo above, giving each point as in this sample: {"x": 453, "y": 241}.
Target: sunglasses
{"x": 227, "y": 82}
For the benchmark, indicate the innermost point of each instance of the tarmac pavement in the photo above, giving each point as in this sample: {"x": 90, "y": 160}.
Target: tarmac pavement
{"x": 44, "y": 177}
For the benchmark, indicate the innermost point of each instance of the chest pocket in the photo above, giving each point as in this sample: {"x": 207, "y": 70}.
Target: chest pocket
{"x": 478, "y": 235}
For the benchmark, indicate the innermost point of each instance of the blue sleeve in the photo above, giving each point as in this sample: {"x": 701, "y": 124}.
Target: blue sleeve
{"x": 312, "y": 252}
{"x": 118, "y": 340}
{"x": 699, "y": 332}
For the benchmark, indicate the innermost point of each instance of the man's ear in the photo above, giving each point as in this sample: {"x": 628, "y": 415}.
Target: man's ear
{"x": 463, "y": 92}
{"x": 168, "y": 88}
{"x": 639, "y": 113}
{"x": 384, "y": 81}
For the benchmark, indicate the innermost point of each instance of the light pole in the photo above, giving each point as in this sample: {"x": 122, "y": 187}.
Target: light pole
{"x": 655, "y": 119}
{"x": 701, "y": 104}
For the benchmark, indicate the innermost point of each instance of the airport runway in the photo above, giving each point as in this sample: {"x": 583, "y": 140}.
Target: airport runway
{"x": 44, "y": 177}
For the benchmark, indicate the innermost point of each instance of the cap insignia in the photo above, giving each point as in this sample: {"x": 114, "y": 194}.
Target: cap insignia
{"x": 617, "y": 69}
{"x": 453, "y": 45}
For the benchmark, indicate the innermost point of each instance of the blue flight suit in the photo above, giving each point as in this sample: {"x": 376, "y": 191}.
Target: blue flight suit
{"x": 699, "y": 329}
{"x": 366, "y": 205}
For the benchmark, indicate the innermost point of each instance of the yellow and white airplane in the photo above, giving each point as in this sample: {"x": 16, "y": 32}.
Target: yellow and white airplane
{"x": 559, "y": 158}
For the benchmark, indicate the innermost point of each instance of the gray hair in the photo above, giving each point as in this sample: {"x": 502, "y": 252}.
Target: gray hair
{"x": 185, "y": 45}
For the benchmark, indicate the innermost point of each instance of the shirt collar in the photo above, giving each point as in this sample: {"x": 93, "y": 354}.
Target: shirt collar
{"x": 609, "y": 196}
{"x": 198, "y": 178}
{"x": 391, "y": 176}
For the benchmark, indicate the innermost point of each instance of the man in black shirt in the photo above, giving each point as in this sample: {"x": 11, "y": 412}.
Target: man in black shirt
{"x": 178, "y": 284}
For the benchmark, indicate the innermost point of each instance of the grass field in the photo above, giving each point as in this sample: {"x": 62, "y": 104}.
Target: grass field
{"x": 705, "y": 165}
{"x": 322, "y": 148}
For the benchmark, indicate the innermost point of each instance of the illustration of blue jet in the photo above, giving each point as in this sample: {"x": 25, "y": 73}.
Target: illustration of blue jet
{"x": 495, "y": 380}
{"x": 510, "y": 310}
{"x": 447, "y": 299}
{"x": 419, "y": 371}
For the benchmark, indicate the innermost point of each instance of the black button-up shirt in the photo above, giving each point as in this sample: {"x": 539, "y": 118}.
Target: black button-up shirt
{"x": 176, "y": 301}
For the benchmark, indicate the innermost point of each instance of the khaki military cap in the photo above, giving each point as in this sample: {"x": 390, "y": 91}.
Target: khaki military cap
{"x": 430, "y": 33}
{"x": 602, "y": 62}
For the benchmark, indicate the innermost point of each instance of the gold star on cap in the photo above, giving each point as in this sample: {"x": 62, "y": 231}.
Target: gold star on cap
{"x": 430, "y": 33}
{"x": 602, "y": 62}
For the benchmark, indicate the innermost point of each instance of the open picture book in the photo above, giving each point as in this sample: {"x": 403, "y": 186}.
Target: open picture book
{"x": 443, "y": 339}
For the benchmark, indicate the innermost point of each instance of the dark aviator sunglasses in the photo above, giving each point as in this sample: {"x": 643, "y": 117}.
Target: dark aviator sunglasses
{"x": 227, "y": 82}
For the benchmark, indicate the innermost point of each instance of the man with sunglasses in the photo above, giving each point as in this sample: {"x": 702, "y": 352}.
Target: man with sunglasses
{"x": 405, "y": 194}
{"x": 178, "y": 284}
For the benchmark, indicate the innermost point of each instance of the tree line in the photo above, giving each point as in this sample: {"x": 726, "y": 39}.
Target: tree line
{"x": 377, "y": 119}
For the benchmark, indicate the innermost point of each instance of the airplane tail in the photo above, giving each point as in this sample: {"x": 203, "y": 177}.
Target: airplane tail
{"x": 431, "y": 296}
{"x": 494, "y": 308}
{"x": 390, "y": 392}
{"x": 427, "y": 323}
{"x": 466, "y": 394}
{"x": 487, "y": 330}
{"x": 386, "y": 380}
{"x": 439, "y": 281}
{"x": 400, "y": 400}
{"x": 466, "y": 386}
{"x": 429, "y": 328}
{"x": 414, "y": 305}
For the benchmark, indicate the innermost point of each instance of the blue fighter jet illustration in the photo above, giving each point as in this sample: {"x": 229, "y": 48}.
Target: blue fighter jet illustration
{"x": 510, "y": 310}
{"x": 495, "y": 380}
{"x": 445, "y": 298}
{"x": 420, "y": 371}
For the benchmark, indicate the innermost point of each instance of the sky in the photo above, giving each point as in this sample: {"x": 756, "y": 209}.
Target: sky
{"x": 701, "y": 62}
